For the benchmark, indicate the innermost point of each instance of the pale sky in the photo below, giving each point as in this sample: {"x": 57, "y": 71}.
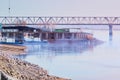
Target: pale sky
{"x": 60, "y": 7}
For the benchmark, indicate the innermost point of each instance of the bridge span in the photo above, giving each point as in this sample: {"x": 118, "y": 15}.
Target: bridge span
{"x": 56, "y": 20}
{"x": 33, "y": 20}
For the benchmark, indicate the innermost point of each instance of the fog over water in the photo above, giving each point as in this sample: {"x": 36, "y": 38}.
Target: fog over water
{"x": 81, "y": 60}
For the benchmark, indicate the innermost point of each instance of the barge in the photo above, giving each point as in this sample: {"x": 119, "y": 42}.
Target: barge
{"x": 21, "y": 34}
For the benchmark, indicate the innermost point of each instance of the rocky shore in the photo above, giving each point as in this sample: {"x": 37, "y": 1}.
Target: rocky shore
{"x": 22, "y": 70}
{"x": 12, "y": 49}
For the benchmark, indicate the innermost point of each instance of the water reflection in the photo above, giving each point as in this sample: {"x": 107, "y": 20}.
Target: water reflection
{"x": 110, "y": 37}
{"x": 79, "y": 60}
{"x": 59, "y": 48}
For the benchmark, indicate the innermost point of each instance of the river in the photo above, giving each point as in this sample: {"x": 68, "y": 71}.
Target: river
{"x": 79, "y": 61}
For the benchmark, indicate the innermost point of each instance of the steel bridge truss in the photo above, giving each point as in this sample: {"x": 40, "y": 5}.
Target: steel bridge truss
{"x": 59, "y": 20}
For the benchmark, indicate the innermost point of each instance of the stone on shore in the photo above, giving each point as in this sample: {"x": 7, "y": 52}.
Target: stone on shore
{"x": 22, "y": 70}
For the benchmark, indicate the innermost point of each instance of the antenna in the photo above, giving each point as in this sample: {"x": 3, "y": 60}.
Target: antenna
{"x": 9, "y": 8}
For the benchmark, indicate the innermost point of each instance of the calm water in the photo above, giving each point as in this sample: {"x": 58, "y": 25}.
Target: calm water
{"x": 79, "y": 61}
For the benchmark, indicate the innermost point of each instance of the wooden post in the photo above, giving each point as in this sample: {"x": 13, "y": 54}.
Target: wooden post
{"x": 40, "y": 36}
{"x": 72, "y": 35}
{"x": 56, "y": 36}
{"x": 47, "y": 35}
{"x": 63, "y": 36}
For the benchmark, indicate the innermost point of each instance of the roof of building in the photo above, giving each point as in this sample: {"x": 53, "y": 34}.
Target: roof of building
{"x": 17, "y": 27}
{"x": 21, "y": 28}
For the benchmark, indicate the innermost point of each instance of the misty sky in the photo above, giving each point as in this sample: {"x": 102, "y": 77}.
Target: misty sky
{"x": 60, "y": 7}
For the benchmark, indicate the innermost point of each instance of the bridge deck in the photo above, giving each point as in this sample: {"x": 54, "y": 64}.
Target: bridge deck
{"x": 22, "y": 20}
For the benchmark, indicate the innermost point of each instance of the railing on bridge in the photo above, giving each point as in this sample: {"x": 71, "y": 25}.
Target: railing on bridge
{"x": 12, "y": 20}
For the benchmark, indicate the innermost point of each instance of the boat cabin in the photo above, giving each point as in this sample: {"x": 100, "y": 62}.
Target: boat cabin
{"x": 16, "y": 34}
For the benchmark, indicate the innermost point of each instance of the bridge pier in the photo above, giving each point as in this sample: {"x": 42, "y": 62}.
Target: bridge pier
{"x": 110, "y": 32}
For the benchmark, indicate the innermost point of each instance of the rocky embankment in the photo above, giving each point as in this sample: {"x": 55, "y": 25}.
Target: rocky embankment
{"x": 12, "y": 49}
{"x": 22, "y": 70}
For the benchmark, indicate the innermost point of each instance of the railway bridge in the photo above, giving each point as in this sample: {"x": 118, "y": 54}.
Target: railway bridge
{"x": 59, "y": 20}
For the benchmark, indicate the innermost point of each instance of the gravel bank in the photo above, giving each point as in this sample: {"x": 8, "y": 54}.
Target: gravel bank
{"x": 22, "y": 70}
